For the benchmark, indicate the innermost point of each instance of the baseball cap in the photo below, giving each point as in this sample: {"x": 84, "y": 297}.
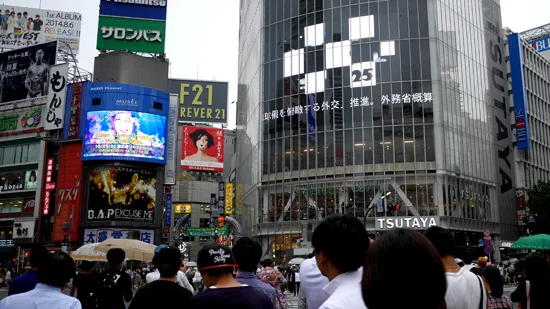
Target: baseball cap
{"x": 215, "y": 256}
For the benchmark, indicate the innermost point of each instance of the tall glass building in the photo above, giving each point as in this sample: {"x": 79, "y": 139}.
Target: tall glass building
{"x": 392, "y": 110}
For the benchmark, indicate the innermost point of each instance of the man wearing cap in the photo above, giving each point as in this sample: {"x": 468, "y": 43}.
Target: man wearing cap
{"x": 165, "y": 292}
{"x": 216, "y": 264}
{"x": 181, "y": 279}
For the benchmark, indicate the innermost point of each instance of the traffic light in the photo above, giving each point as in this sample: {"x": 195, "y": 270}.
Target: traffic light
{"x": 397, "y": 207}
{"x": 221, "y": 221}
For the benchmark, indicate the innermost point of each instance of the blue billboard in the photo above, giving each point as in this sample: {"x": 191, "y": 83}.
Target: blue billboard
{"x": 541, "y": 45}
{"x": 120, "y": 122}
{"x": 144, "y": 9}
{"x": 518, "y": 89}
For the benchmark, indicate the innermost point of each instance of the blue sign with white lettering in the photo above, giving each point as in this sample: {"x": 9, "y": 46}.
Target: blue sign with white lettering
{"x": 518, "y": 89}
{"x": 168, "y": 211}
{"x": 541, "y": 44}
{"x": 144, "y": 9}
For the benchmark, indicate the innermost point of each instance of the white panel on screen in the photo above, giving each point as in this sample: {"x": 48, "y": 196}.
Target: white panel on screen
{"x": 294, "y": 62}
{"x": 315, "y": 82}
{"x": 338, "y": 54}
{"x": 363, "y": 74}
{"x": 314, "y": 35}
{"x": 387, "y": 48}
{"x": 361, "y": 27}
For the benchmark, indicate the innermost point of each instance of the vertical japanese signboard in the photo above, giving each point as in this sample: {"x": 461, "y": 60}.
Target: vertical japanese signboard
{"x": 168, "y": 210}
{"x": 171, "y": 141}
{"x": 214, "y": 213}
{"x": 74, "y": 112}
{"x": 48, "y": 187}
{"x": 221, "y": 197}
{"x": 228, "y": 198}
{"x": 57, "y": 93}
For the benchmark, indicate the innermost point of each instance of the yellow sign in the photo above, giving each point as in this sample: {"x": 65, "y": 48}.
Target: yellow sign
{"x": 183, "y": 208}
{"x": 228, "y": 198}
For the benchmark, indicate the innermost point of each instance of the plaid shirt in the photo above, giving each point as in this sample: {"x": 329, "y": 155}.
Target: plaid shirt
{"x": 502, "y": 302}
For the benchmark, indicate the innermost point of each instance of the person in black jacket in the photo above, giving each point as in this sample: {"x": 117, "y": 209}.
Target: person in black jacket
{"x": 115, "y": 286}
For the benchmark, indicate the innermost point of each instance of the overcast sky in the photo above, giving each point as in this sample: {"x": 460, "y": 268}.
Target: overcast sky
{"x": 202, "y": 35}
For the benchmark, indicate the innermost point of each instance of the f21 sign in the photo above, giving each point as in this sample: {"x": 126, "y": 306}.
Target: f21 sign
{"x": 57, "y": 94}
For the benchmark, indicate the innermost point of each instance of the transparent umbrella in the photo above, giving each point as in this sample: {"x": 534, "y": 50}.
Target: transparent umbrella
{"x": 88, "y": 252}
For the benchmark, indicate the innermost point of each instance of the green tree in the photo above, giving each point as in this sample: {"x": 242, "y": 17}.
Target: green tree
{"x": 538, "y": 205}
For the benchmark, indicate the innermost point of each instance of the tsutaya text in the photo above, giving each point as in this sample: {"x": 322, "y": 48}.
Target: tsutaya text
{"x": 407, "y": 98}
{"x": 421, "y": 223}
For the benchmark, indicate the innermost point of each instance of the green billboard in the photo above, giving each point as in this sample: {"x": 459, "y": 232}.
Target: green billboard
{"x": 135, "y": 35}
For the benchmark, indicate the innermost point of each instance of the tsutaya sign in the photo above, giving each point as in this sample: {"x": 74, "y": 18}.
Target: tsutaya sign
{"x": 420, "y": 223}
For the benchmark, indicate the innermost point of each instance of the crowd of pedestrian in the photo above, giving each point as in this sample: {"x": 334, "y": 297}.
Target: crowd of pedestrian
{"x": 401, "y": 269}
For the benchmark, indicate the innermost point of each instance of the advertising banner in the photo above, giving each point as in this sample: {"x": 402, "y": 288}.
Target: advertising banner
{"x": 101, "y": 234}
{"x": 228, "y": 198}
{"x": 146, "y": 9}
{"x": 122, "y": 194}
{"x": 135, "y": 35}
{"x": 74, "y": 111}
{"x": 22, "y": 27}
{"x": 180, "y": 208}
{"x": 28, "y": 120}
{"x": 57, "y": 94}
{"x": 221, "y": 197}
{"x": 518, "y": 89}
{"x": 26, "y": 71}
{"x": 23, "y": 229}
{"x": 171, "y": 141}
{"x": 125, "y": 135}
{"x": 202, "y": 149}
{"x": 200, "y": 101}
{"x": 28, "y": 205}
{"x": 18, "y": 181}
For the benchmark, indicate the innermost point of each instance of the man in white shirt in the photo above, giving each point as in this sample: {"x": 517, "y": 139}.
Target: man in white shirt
{"x": 465, "y": 290}
{"x": 341, "y": 243}
{"x": 312, "y": 284}
{"x": 52, "y": 279}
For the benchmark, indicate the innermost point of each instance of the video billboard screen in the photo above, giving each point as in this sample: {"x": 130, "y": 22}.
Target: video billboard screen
{"x": 25, "y": 72}
{"x": 125, "y": 135}
{"x": 122, "y": 193}
{"x": 22, "y": 27}
{"x": 202, "y": 149}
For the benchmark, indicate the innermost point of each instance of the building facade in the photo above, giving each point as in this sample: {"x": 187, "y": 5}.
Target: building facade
{"x": 393, "y": 111}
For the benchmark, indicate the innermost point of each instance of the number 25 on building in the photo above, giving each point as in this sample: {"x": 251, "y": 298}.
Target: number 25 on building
{"x": 197, "y": 103}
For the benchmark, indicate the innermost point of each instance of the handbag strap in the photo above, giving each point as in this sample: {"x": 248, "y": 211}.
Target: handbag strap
{"x": 527, "y": 292}
{"x": 481, "y": 291}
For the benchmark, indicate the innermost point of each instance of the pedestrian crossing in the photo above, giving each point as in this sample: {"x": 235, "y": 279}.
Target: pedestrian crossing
{"x": 292, "y": 301}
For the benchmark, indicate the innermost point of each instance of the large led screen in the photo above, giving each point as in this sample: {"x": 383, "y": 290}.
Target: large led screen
{"x": 122, "y": 193}
{"x": 125, "y": 135}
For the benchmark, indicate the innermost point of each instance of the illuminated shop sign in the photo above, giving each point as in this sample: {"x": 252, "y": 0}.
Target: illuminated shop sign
{"x": 332, "y": 190}
{"x": 419, "y": 223}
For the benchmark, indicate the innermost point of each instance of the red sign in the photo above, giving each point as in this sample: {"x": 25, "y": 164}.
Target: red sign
{"x": 47, "y": 203}
{"x": 50, "y": 186}
{"x": 202, "y": 149}
{"x": 28, "y": 205}
{"x": 75, "y": 111}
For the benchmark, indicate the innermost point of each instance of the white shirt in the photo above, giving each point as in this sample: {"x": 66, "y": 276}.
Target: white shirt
{"x": 8, "y": 275}
{"x": 180, "y": 279}
{"x": 463, "y": 291}
{"x": 42, "y": 297}
{"x": 311, "y": 285}
{"x": 344, "y": 292}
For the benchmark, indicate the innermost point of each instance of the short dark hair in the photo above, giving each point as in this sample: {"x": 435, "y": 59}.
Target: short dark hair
{"x": 442, "y": 240}
{"x": 115, "y": 257}
{"x": 57, "y": 270}
{"x": 168, "y": 262}
{"x": 266, "y": 263}
{"x": 38, "y": 254}
{"x": 343, "y": 240}
{"x": 384, "y": 263}
{"x": 195, "y": 136}
{"x": 247, "y": 253}
{"x": 86, "y": 265}
{"x": 492, "y": 275}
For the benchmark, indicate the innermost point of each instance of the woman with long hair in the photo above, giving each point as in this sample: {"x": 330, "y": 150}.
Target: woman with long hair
{"x": 495, "y": 285}
{"x": 534, "y": 292}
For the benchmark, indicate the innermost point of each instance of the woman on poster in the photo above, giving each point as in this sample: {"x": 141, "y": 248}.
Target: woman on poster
{"x": 202, "y": 140}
